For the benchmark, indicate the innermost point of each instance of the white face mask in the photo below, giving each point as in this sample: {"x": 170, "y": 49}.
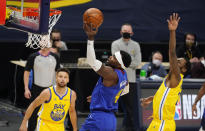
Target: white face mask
{"x": 156, "y": 62}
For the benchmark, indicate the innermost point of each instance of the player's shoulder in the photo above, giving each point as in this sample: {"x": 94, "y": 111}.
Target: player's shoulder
{"x": 71, "y": 91}
{"x": 119, "y": 72}
{"x": 73, "y": 94}
{"x": 46, "y": 92}
{"x": 32, "y": 56}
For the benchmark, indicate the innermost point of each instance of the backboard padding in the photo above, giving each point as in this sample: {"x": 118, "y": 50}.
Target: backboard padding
{"x": 37, "y": 25}
{"x": 2, "y": 12}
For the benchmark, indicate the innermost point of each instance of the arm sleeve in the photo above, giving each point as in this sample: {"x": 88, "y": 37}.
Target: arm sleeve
{"x": 91, "y": 58}
{"x": 30, "y": 62}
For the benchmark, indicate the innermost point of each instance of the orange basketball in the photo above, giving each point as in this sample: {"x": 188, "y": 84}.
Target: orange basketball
{"x": 93, "y": 16}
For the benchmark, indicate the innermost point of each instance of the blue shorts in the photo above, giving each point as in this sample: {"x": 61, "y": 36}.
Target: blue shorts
{"x": 100, "y": 121}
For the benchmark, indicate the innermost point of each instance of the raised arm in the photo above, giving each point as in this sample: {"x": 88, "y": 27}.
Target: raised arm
{"x": 44, "y": 96}
{"x": 174, "y": 73}
{"x": 105, "y": 71}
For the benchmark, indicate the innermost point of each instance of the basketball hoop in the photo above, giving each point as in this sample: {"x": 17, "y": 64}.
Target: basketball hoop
{"x": 37, "y": 40}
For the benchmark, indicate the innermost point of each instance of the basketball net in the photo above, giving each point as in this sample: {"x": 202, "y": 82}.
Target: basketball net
{"x": 36, "y": 41}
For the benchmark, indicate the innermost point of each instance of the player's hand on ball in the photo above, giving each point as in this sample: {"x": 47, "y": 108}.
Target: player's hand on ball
{"x": 194, "y": 110}
{"x": 89, "y": 30}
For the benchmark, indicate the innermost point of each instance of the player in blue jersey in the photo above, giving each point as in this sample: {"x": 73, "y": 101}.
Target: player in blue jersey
{"x": 110, "y": 86}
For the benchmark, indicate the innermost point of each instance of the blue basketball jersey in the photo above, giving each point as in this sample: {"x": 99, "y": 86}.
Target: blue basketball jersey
{"x": 106, "y": 98}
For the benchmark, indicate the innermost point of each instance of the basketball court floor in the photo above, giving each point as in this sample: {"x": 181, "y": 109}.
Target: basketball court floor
{"x": 11, "y": 117}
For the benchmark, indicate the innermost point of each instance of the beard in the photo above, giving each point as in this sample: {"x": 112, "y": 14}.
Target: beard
{"x": 107, "y": 64}
{"x": 62, "y": 84}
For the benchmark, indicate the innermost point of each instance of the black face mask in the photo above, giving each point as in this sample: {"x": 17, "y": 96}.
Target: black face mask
{"x": 54, "y": 40}
{"x": 126, "y": 35}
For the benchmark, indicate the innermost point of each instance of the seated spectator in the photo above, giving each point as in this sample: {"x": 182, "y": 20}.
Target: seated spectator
{"x": 56, "y": 42}
{"x": 198, "y": 69}
{"x": 155, "y": 67}
{"x": 189, "y": 50}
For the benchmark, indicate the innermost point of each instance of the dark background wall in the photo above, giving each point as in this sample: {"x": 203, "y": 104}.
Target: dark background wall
{"x": 148, "y": 18}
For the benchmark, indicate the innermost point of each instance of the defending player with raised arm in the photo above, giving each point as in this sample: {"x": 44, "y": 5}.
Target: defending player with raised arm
{"x": 55, "y": 102}
{"x": 110, "y": 86}
{"x": 194, "y": 108}
{"x": 168, "y": 94}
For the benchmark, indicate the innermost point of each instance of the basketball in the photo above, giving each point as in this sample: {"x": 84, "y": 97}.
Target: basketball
{"x": 93, "y": 16}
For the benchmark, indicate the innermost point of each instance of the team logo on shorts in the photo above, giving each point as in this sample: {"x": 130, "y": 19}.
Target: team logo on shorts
{"x": 58, "y": 112}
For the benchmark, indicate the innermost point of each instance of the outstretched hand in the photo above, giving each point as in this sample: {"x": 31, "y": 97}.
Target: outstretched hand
{"x": 145, "y": 102}
{"x": 173, "y": 21}
{"x": 89, "y": 30}
{"x": 194, "y": 110}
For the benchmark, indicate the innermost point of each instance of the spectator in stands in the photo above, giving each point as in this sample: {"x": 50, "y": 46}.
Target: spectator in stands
{"x": 198, "y": 69}
{"x": 155, "y": 67}
{"x": 189, "y": 50}
{"x": 56, "y": 40}
{"x": 44, "y": 65}
{"x": 132, "y": 47}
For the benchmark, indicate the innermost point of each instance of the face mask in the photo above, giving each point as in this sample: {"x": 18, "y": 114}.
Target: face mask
{"x": 126, "y": 35}
{"x": 189, "y": 43}
{"x": 54, "y": 40}
{"x": 156, "y": 62}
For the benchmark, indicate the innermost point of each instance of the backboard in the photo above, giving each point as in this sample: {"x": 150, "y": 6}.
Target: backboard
{"x": 18, "y": 17}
